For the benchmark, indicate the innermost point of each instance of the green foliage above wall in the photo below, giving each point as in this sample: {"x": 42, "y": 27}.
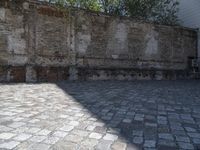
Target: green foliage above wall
{"x": 159, "y": 11}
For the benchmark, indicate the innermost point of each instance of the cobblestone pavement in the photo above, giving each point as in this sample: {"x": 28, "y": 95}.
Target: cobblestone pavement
{"x": 100, "y": 115}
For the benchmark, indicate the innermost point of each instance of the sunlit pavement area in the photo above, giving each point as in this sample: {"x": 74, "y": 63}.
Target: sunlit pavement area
{"x": 100, "y": 115}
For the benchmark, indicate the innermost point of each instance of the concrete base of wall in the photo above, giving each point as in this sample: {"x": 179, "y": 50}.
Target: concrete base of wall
{"x": 53, "y": 74}
{"x": 33, "y": 74}
{"x": 131, "y": 74}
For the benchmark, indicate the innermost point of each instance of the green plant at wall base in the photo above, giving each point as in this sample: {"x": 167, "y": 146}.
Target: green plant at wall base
{"x": 159, "y": 11}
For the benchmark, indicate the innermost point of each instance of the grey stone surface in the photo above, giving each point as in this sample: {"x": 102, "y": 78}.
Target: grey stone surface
{"x": 167, "y": 143}
{"x": 9, "y": 145}
{"x": 22, "y": 137}
{"x": 67, "y": 128}
{"x": 6, "y": 135}
{"x": 119, "y": 146}
{"x": 104, "y": 145}
{"x": 90, "y": 142}
{"x": 37, "y": 138}
{"x": 95, "y": 135}
{"x": 70, "y": 115}
{"x": 74, "y": 138}
{"x": 38, "y": 146}
{"x": 60, "y": 133}
{"x": 138, "y": 140}
{"x": 166, "y": 136}
{"x": 110, "y": 137}
{"x": 137, "y": 133}
{"x": 182, "y": 139}
{"x": 194, "y": 135}
{"x": 150, "y": 143}
{"x": 185, "y": 145}
{"x": 51, "y": 140}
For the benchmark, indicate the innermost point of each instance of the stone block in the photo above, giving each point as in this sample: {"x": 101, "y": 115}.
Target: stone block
{"x": 9, "y": 145}
{"x": 3, "y": 73}
{"x": 31, "y": 75}
{"x": 17, "y": 74}
{"x": 2, "y": 14}
{"x": 52, "y": 74}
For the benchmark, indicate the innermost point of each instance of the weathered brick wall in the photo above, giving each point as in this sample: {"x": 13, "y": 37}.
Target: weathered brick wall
{"x": 34, "y": 43}
{"x": 112, "y": 46}
{"x": 13, "y": 46}
{"x": 40, "y": 43}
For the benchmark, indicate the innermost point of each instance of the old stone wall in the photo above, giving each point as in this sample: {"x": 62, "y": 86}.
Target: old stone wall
{"x": 41, "y": 43}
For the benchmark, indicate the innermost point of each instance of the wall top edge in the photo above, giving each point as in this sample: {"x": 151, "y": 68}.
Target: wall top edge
{"x": 36, "y": 4}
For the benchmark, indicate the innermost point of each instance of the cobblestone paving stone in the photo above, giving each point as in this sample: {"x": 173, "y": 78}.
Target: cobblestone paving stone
{"x": 100, "y": 115}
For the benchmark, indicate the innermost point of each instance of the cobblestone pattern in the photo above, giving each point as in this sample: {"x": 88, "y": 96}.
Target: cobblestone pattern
{"x": 100, "y": 116}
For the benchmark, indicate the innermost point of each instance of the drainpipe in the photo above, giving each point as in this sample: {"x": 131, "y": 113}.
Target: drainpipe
{"x": 198, "y": 47}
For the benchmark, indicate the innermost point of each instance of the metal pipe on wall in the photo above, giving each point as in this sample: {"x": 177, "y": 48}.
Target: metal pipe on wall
{"x": 198, "y": 48}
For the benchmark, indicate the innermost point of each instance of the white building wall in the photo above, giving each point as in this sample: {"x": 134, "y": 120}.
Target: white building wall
{"x": 189, "y": 16}
{"x": 189, "y": 13}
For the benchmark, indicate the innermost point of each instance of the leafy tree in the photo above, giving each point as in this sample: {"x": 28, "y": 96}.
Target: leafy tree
{"x": 86, "y": 4}
{"x": 114, "y": 7}
{"x": 90, "y": 4}
{"x": 166, "y": 12}
{"x": 160, "y": 11}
